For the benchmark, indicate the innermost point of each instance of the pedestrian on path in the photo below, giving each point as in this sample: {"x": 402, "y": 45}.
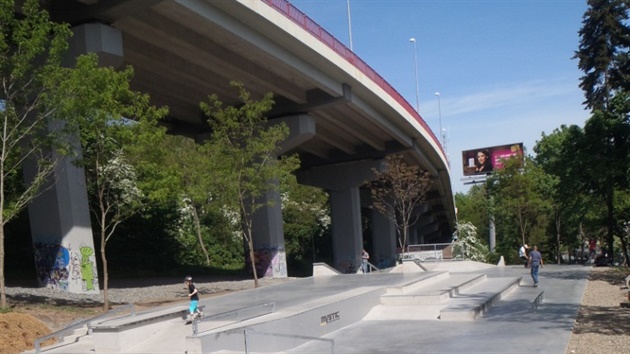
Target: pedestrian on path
{"x": 364, "y": 260}
{"x": 535, "y": 262}
{"x": 522, "y": 253}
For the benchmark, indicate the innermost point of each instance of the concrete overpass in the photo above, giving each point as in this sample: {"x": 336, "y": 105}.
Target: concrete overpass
{"x": 343, "y": 116}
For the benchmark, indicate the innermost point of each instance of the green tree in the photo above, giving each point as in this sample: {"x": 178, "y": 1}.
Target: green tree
{"x": 117, "y": 126}
{"x": 604, "y": 51}
{"x": 474, "y": 207}
{"x": 31, "y": 48}
{"x": 521, "y": 209}
{"x": 306, "y": 218}
{"x": 193, "y": 164}
{"x": 397, "y": 191}
{"x": 604, "y": 57}
{"x": 247, "y": 166}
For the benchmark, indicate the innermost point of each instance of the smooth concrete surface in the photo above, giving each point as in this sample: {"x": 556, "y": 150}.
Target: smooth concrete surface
{"x": 512, "y": 325}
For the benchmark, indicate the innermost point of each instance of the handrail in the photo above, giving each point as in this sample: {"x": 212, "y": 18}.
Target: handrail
{"x": 60, "y": 334}
{"x": 236, "y": 312}
{"x": 252, "y": 331}
{"x": 373, "y": 267}
{"x": 301, "y": 19}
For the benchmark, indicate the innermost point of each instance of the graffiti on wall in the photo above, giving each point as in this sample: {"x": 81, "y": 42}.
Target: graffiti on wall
{"x": 270, "y": 262}
{"x": 57, "y": 266}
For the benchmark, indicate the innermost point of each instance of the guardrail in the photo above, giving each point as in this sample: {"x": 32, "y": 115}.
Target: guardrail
{"x": 297, "y": 16}
{"x": 59, "y": 335}
{"x": 266, "y": 308}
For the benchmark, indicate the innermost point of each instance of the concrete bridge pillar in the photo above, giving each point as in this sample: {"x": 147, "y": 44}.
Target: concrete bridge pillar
{"x": 342, "y": 182}
{"x": 268, "y": 232}
{"x": 65, "y": 257}
{"x": 384, "y": 241}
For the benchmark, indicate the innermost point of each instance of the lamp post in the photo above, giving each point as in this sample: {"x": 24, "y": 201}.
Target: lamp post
{"x": 415, "y": 60}
{"x": 349, "y": 24}
{"x": 442, "y": 135}
{"x": 442, "y": 131}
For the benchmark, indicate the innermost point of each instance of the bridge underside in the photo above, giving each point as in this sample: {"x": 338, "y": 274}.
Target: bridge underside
{"x": 342, "y": 115}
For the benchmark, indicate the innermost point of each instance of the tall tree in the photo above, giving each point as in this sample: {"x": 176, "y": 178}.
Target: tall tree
{"x": 604, "y": 51}
{"x": 519, "y": 202}
{"x": 397, "y": 191}
{"x": 604, "y": 57}
{"x": 31, "y": 47}
{"x": 117, "y": 128}
{"x": 193, "y": 163}
{"x": 247, "y": 166}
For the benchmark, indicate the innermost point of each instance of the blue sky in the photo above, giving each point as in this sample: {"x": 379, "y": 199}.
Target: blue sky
{"x": 503, "y": 68}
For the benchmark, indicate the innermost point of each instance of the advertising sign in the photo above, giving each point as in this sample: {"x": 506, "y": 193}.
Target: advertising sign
{"x": 487, "y": 159}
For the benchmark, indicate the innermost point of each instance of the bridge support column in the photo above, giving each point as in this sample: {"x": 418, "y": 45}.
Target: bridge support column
{"x": 268, "y": 232}
{"x": 342, "y": 183}
{"x": 268, "y": 237}
{"x": 383, "y": 240}
{"x": 65, "y": 257}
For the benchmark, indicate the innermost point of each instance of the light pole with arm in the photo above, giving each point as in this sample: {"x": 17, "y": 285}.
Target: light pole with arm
{"x": 415, "y": 60}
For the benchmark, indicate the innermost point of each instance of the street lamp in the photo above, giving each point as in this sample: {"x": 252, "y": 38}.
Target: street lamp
{"x": 415, "y": 60}
{"x": 349, "y": 24}
{"x": 442, "y": 131}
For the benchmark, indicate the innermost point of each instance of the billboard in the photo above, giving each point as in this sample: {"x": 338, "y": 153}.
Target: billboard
{"x": 485, "y": 160}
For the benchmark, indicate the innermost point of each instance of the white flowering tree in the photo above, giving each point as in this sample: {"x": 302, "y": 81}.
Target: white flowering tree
{"x": 468, "y": 245}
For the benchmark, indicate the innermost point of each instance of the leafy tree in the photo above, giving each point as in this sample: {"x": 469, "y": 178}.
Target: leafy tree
{"x": 306, "y": 218}
{"x": 474, "y": 207}
{"x": 193, "y": 164}
{"x": 103, "y": 109}
{"x": 247, "y": 167}
{"x": 397, "y": 191}
{"x": 520, "y": 206}
{"x": 468, "y": 245}
{"x": 31, "y": 48}
{"x": 604, "y": 51}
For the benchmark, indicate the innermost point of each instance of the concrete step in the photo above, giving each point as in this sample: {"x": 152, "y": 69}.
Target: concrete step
{"x": 473, "y": 302}
{"x": 435, "y": 292}
{"x": 426, "y": 279}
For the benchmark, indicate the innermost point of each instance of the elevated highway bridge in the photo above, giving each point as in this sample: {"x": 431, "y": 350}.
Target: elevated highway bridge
{"x": 344, "y": 117}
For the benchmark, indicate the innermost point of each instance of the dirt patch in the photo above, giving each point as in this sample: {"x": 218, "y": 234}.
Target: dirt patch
{"x": 18, "y": 332}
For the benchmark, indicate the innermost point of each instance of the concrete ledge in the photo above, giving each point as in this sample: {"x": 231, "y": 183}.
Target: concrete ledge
{"x": 117, "y": 334}
{"x": 292, "y": 325}
{"x": 323, "y": 269}
{"x": 473, "y": 303}
{"x": 443, "y": 288}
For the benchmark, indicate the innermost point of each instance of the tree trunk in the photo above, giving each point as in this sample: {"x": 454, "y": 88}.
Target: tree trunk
{"x": 199, "y": 238}
{"x": 3, "y": 291}
{"x": 105, "y": 273}
{"x": 559, "y": 252}
{"x": 250, "y": 245}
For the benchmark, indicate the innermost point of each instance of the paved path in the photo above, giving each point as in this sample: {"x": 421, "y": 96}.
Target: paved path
{"x": 507, "y": 328}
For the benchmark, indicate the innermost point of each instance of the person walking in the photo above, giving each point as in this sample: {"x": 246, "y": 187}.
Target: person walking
{"x": 193, "y": 294}
{"x": 364, "y": 261}
{"x": 522, "y": 253}
{"x": 535, "y": 262}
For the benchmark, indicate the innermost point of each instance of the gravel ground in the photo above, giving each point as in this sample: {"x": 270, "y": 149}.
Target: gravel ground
{"x": 148, "y": 292}
{"x": 602, "y": 325}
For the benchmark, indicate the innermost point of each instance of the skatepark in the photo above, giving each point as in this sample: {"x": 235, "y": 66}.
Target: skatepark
{"x": 440, "y": 307}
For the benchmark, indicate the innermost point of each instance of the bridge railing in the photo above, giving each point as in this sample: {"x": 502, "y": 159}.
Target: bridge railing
{"x": 297, "y": 16}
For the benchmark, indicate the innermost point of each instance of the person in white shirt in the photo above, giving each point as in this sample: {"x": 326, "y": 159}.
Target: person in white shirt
{"x": 522, "y": 254}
